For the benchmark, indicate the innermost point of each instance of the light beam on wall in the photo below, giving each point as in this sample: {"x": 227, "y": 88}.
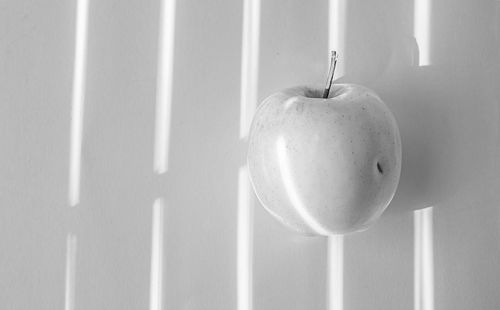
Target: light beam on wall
{"x": 156, "y": 277}
{"x": 424, "y": 260}
{"x": 249, "y": 64}
{"x": 248, "y": 103}
{"x": 337, "y": 21}
{"x": 335, "y": 272}
{"x": 78, "y": 100}
{"x": 337, "y": 18}
{"x": 245, "y": 242}
{"x": 422, "y": 14}
{"x": 423, "y": 219}
{"x": 164, "y": 85}
{"x": 69, "y": 291}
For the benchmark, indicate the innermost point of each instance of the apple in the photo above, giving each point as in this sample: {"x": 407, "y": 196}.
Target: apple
{"x": 324, "y": 165}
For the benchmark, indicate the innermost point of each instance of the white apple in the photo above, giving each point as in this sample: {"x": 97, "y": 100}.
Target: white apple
{"x": 324, "y": 166}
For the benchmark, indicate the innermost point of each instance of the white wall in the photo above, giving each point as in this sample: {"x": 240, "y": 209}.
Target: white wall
{"x": 97, "y": 254}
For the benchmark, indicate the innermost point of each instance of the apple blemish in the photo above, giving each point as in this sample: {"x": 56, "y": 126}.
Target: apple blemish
{"x": 379, "y": 168}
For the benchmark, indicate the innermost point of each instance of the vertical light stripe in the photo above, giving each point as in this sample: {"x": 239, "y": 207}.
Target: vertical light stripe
{"x": 335, "y": 272}
{"x": 156, "y": 277}
{"x": 69, "y": 290}
{"x": 424, "y": 260}
{"x": 164, "y": 85}
{"x": 337, "y": 18}
{"x": 291, "y": 189}
{"x": 78, "y": 100}
{"x": 248, "y": 103}
{"x": 423, "y": 219}
{"x": 249, "y": 64}
{"x": 337, "y": 23}
{"x": 422, "y": 19}
{"x": 245, "y": 242}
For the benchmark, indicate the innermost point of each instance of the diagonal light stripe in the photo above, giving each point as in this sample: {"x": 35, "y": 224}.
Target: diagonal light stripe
{"x": 424, "y": 260}
{"x": 156, "y": 278}
{"x": 69, "y": 290}
{"x": 249, "y": 64}
{"x": 164, "y": 86}
{"x": 78, "y": 100}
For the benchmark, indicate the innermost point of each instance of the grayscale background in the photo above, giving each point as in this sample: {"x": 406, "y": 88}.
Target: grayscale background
{"x": 98, "y": 254}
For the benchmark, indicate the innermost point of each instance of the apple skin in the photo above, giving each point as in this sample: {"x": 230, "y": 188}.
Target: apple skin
{"x": 324, "y": 166}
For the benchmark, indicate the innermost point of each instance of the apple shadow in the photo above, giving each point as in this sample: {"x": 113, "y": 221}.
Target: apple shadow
{"x": 448, "y": 128}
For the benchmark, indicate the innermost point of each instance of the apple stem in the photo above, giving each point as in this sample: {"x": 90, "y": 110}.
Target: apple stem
{"x": 329, "y": 80}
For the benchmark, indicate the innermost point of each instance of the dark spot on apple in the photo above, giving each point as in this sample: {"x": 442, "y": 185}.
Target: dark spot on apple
{"x": 379, "y": 168}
